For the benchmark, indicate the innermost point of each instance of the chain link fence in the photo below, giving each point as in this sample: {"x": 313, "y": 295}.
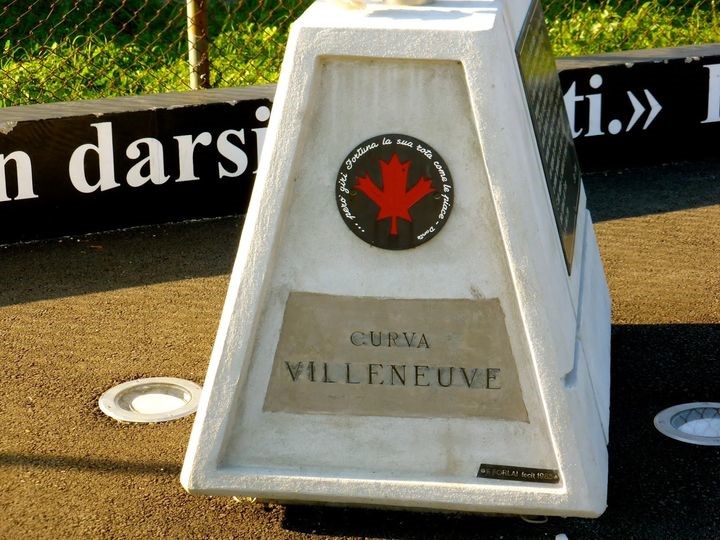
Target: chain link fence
{"x": 62, "y": 50}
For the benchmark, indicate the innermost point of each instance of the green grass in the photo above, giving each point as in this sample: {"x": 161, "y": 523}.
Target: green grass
{"x": 598, "y": 27}
{"x": 124, "y": 47}
{"x": 90, "y": 67}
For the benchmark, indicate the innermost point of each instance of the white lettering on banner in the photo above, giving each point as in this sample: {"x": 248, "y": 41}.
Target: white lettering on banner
{"x": 262, "y": 114}
{"x": 571, "y": 98}
{"x": 186, "y": 149}
{"x": 614, "y": 126}
{"x": 153, "y": 161}
{"x": 594, "y": 127}
{"x": 232, "y": 152}
{"x": 104, "y": 150}
{"x": 713, "y": 109}
{"x": 92, "y": 165}
{"x": 23, "y": 173}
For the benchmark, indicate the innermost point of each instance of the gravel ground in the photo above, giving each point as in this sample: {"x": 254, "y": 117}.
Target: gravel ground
{"x": 80, "y": 315}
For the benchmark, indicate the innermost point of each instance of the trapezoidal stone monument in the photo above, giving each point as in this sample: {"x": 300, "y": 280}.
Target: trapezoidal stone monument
{"x": 418, "y": 315}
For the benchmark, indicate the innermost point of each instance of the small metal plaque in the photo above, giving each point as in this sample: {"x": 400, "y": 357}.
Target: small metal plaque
{"x": 552, "y": 131}
{"x": 392, "y": 357}
{"x": 519, "y": 474}
{"x": 394, "y": 191}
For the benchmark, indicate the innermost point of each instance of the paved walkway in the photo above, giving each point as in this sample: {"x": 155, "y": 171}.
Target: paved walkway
{"x": 77, "y": 316}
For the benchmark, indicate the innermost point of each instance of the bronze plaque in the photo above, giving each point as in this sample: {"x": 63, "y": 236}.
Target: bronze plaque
{"x": 519, "y": 474}
{"x": 391, "y": 357}
{"x": 552, "y": 130}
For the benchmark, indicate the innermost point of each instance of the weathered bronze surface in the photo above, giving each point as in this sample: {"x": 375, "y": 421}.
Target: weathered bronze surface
{"x": 519, "y": 474}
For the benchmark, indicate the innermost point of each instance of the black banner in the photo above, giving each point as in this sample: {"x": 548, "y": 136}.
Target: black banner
{"x": 73, "y": 168}
{"x": 100, "y": 168}
{"x": 643, "y": 107}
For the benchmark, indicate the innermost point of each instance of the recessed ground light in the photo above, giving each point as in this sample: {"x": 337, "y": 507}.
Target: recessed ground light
{"x": 696, "y": 423}
{"x": 156, "y": 399}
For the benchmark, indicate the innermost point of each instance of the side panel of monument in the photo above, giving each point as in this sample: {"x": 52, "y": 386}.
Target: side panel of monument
{"x": 417, "y": 316}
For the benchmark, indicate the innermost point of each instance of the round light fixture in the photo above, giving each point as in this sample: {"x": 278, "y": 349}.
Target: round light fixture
{"x": 695, "y": 423}
{"x": 156, "y": 399}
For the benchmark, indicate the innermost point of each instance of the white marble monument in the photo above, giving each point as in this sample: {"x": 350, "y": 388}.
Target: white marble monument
{"x": 418, "y": 315}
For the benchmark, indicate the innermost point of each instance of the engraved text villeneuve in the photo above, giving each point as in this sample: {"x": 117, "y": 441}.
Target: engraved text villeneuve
{"x": 393, "y": 357}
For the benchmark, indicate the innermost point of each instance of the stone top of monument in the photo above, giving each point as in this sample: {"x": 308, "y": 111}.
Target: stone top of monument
{"x": 443, "y": 14}
{"x": 439, "y": 15}
{"x": 455, "y": 25}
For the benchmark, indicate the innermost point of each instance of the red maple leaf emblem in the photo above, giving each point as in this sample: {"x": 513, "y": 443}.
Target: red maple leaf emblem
{"x": 394, "y": 200}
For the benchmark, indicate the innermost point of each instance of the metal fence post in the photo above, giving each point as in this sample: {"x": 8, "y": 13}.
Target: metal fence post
{"x": 197, "y": 28}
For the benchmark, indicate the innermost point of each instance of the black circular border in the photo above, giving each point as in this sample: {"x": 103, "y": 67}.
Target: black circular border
{"x": 359, "y": 212}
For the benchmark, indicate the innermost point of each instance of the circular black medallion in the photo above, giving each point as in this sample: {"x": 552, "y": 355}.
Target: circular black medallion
{"x": 394, "y": 191}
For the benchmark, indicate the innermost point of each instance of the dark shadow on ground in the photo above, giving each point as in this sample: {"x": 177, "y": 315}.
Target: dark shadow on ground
{"x": 154, "y": 254}
{"x": 652, "y": 190}
{"x": 87, "y": 463}
{"x": 115, "y": 260}
{"x": 658, "y": 487}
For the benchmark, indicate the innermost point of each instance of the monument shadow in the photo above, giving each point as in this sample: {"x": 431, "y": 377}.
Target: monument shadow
{"x": 658, "y": 487}
{"x": 108, "y": 261}
{"x": 652, "y": 190}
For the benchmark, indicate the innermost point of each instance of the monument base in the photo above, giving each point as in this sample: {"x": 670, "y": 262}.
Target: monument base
{"x": 418, "y": 316}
